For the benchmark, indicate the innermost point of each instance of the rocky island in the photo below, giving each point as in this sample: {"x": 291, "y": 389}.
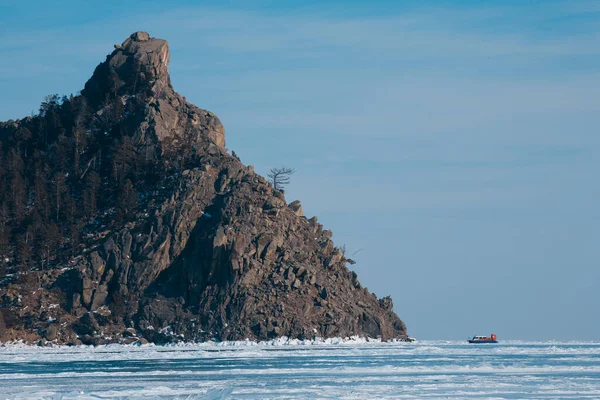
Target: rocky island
{"x": 123, "y": 218}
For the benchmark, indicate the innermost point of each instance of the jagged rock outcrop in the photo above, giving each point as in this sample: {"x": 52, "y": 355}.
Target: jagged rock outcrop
{"x": 140, "y": 67}
{"x": 213, "y": 250}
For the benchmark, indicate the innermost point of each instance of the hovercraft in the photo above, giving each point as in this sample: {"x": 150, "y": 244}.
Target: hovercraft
{"x": 484, "y": 339}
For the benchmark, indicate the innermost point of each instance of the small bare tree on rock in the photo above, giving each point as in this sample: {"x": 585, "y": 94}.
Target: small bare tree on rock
{"x": 280, "y": 177}
{"x": 348, "y": 260}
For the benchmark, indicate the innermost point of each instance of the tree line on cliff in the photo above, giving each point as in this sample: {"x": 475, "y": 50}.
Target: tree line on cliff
{"x": 58, "y": 168}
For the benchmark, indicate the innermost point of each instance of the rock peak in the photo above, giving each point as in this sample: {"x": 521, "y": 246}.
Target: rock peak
{"x": 139, "y": 69}
{"x": 139, "y": 65}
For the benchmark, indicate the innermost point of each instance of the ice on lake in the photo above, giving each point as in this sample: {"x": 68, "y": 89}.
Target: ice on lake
{"x": 281, "y": 369}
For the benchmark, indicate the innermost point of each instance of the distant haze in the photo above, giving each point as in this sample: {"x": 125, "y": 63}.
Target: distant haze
{"x": 454, "y": 149}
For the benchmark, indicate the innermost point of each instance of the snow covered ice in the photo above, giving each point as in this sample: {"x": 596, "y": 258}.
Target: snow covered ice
{"x": 292, "y": 369}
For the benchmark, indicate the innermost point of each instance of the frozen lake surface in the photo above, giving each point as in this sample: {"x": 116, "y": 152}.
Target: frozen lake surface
{"x": 333, "y": 370}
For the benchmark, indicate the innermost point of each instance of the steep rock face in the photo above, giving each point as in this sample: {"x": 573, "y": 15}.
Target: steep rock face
{"x": 140, "y": 67}
{"x": 213, "y": 251}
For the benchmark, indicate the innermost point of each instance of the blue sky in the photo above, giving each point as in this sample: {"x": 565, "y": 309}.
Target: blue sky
{"x": 453, "y": 147}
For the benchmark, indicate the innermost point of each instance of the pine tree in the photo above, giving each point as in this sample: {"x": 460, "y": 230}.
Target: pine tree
{"x": 126, "y": 200}
{"x": 124, "y": 159}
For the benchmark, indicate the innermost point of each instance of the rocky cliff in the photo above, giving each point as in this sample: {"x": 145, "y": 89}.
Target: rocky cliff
{"x": 203, "y": 249}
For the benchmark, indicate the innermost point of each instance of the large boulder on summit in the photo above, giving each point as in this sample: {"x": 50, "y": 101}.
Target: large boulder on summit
{"x": 187, "y": 243}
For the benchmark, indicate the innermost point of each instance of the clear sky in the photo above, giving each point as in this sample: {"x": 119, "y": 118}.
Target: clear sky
{"x": 454, "y": 148}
